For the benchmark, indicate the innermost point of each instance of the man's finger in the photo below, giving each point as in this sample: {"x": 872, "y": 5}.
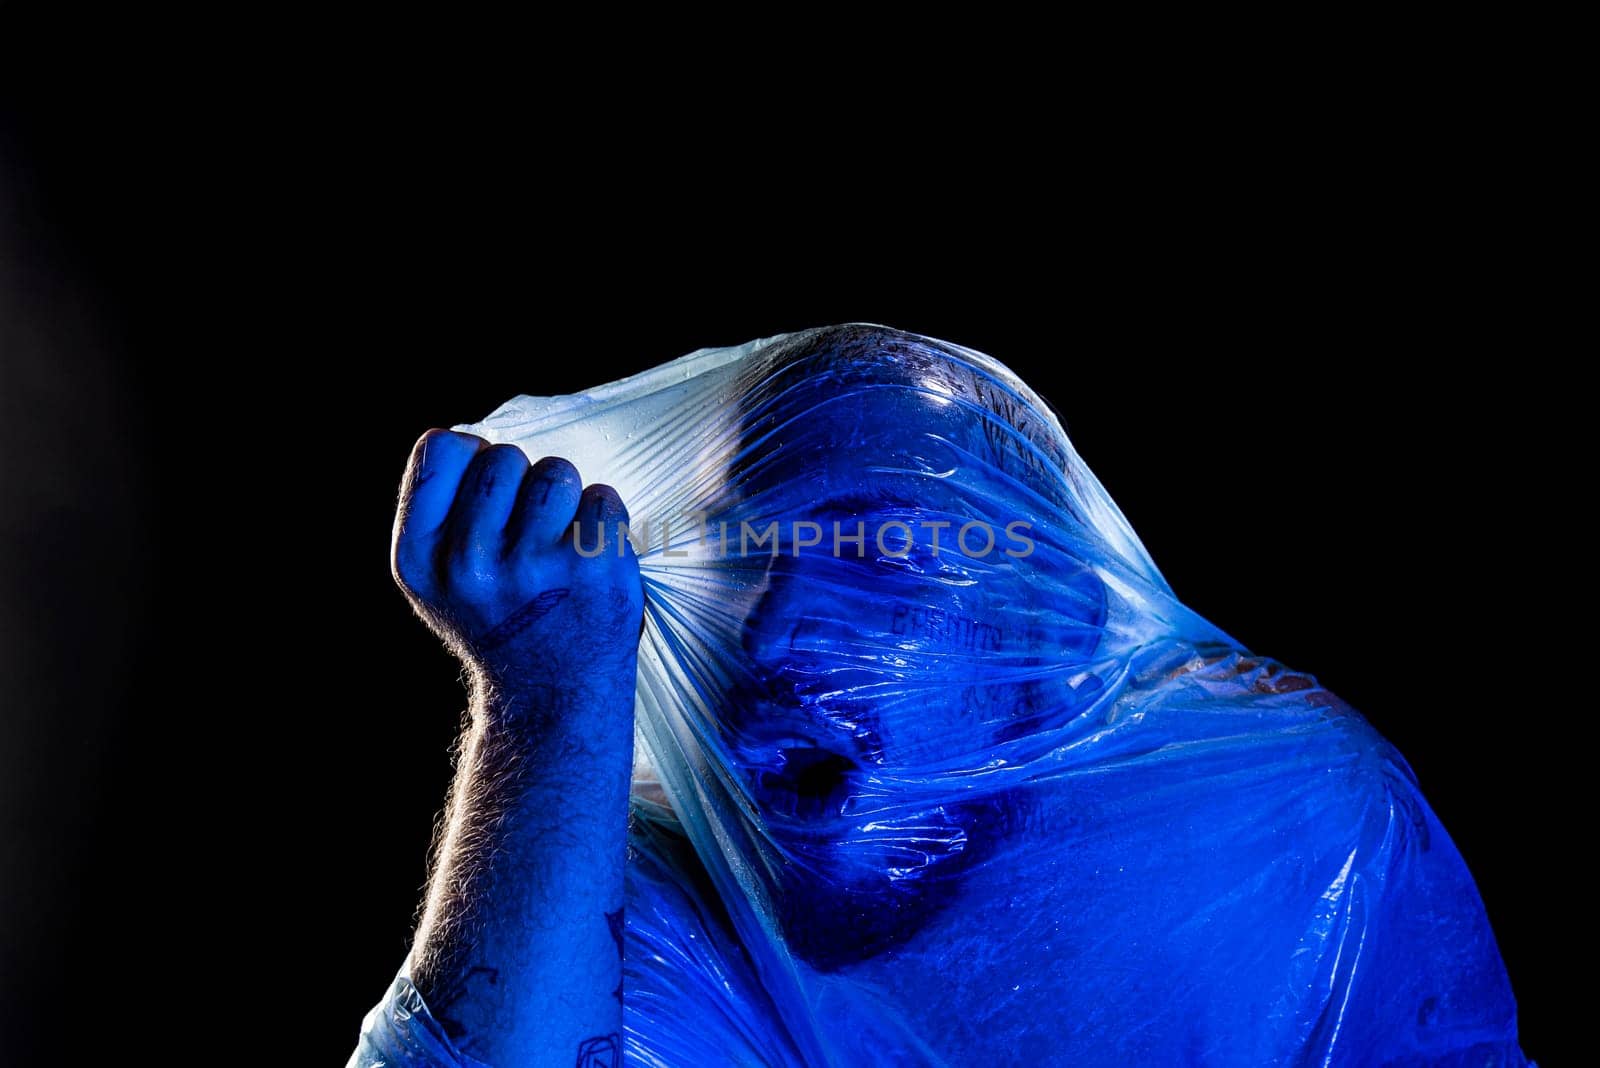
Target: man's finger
{"x": 546, "y": 505}
{"x": 599, "y": 511}
{"x": 438, "y": 460}
{"x": 484, "y": 501}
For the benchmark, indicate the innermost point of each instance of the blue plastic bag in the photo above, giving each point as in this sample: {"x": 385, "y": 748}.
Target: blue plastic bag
{"x": 953, "y": 776}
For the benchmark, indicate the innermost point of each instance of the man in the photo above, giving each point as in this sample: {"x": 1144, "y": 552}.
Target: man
{"x": 957, "y": 779}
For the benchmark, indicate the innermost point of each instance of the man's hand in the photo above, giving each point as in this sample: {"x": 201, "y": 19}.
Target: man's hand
{"x": 518, "y": 953}
{"x": 484, "y": 548}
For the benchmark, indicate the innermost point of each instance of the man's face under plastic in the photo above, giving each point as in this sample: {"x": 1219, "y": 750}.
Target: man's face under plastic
{"x": 883, "y": 672}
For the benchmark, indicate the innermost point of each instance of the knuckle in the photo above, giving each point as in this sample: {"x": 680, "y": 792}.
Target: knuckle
{"x": 502, "y": 457}
{"x": 494, "y": 468}
{"x": 558, "y": 469}
{"x": 606, "y": 500}
{"x": 550, "y": 487}
{"x": 438, "y": 439}
{"x": 432, "y": 436}
{"x": 502, "y": 451}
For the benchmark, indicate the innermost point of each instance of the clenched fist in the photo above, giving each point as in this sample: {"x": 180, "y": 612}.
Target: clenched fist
{"x": 483, "y": 548}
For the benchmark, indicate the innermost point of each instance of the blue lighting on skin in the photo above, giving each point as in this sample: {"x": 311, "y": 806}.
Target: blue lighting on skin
{"x": 946, "y": 808}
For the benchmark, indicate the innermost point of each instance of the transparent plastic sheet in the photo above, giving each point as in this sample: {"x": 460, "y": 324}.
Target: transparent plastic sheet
{"x": 401, "y": 1031}
{"x": 1003, "y": 801}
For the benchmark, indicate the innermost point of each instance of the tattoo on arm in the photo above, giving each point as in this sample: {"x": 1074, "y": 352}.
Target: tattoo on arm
{"x": 603, "y": 1051}
{"x": 614, "y": 921}
{"x": 522, "y": 619}
{"x": 461, "y": 986}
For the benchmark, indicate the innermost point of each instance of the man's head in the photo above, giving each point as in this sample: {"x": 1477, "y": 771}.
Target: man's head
{"x": 884, "y": 676}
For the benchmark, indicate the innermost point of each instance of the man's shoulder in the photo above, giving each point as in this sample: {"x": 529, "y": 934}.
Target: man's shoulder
{"x": 692, "y": 992}
{"x": 669, "y": 889}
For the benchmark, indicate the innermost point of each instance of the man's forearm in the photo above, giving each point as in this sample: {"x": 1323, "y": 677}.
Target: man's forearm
{"x": 518, "y": 953}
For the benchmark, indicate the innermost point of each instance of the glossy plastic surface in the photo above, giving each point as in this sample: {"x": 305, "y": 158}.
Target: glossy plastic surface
{"x": 1006, "y": 800}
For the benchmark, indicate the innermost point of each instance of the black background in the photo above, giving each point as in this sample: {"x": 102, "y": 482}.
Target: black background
{"x": 221, "y": 328}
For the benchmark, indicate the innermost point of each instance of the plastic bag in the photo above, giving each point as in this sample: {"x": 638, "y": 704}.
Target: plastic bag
{"x": 959, "y": 779}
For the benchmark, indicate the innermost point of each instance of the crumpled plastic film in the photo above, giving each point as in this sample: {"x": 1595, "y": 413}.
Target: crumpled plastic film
{"x": 996, "y": 799}
{"x": 400, "y": 1030}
